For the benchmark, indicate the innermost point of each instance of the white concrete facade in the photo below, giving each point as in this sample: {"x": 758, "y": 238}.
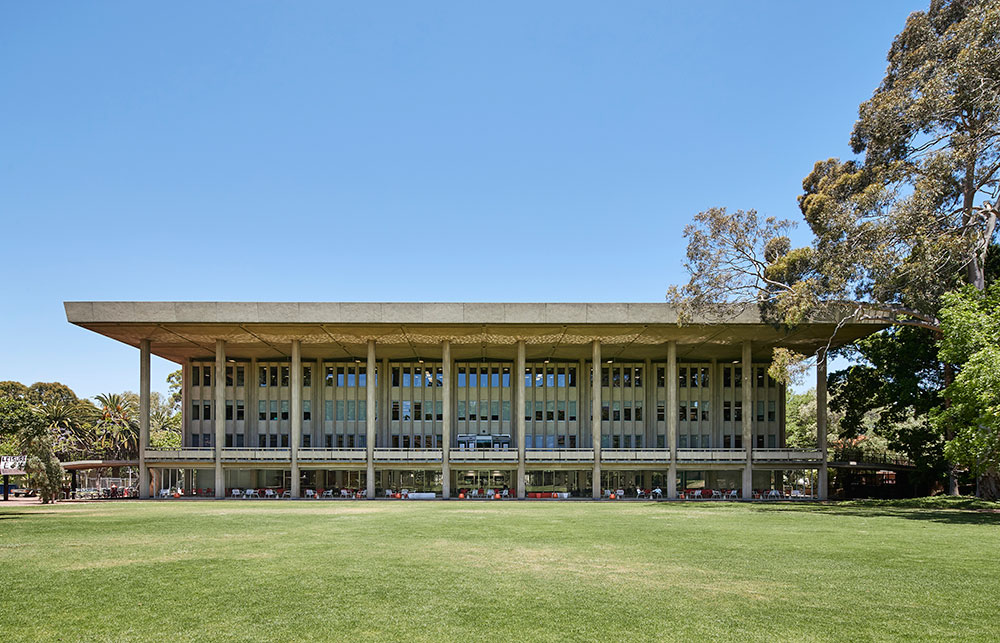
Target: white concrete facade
{"x": 453, "y": 397}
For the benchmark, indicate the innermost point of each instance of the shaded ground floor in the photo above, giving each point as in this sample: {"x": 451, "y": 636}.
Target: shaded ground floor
{"x": 482, "y": 482}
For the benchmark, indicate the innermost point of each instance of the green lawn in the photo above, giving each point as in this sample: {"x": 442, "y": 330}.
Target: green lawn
{"x": 241, "y": 570}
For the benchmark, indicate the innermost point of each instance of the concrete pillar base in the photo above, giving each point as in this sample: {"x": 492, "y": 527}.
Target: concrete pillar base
{"x": 143, "y": 482}
{"x": 747, "y": 482}
{"x": 520, "y": 481}
{"x": 672, "y": 482}
{"x": 296, "y": 490}
{"x": 370, "y": 481}
{"x": 220, "y": 481}
{"x": 446, "y": 481}
{"x": 596, "y": 483}
{"x": 823, "y": 483}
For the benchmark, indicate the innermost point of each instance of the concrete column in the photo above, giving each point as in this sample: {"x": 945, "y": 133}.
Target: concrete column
{"x": 219, "y": 382}
{"x": 821, "y": 412}
{"x": 649, "y": 405}
{"x": 748, "y": 412}
{"x": 296, "y": 411}
{"x": 446, "y": 420}
{"x": 144, "y": 349}
{"x": 252, "y": 392}
{"x": 671, "y": 413}
{"x": 595, "y": 412}
{"x": 581, "y": 404}
{"x": 186, "y": 402}
{"x": 385, "y": 403}
{"x": 370, "y": 417}
{"x": 518, "y": 411}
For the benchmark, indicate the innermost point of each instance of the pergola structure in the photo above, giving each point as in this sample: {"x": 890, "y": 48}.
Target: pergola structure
{"x": 564, "y": 356}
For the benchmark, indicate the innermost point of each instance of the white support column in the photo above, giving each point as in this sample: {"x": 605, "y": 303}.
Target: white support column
{"x": 446, "y": 420}
{"x": 671, "y": 412}
{"x": 649, "y": 405}
{"x": 296, "y": 383}
{"x": 370, "y": 418}
{"x": 518, "y": 411}
{"x": 595, "y": 412}
{"x": 219, "y": 382}
{"x": 144, "y": 349}
{"x": 748, "y": 412}
{"x": 821, "y": 411}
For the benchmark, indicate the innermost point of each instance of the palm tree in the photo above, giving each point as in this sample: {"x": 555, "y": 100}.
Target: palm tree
{"x": 117, "y": 427}
{"x": 71, "y": 427}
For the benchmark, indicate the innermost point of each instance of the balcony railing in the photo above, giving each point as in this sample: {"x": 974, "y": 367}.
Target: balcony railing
{"x": 407, "y": 455}
{"x": 318, "y": 454}
{"x": 711, "y": 455}
{"x": 482, "y": 455}
{"x": 260, "y": 453}
{"x": 186, "y": 453}
{"x": 635, "y": 455}
{"x": 559, "y": 455}
{"x": 786, "y": 455}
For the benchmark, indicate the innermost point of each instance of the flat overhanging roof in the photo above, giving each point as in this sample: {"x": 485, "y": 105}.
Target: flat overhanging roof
{"x": 341, "y": 330}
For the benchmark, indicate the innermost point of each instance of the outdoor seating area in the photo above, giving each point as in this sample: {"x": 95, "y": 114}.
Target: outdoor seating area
{"x": 710, "y": 494}
{"x": 484, "y": 494}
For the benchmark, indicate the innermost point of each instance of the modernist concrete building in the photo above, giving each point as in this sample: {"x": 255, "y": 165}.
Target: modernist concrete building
{"x": 443, "y": 398}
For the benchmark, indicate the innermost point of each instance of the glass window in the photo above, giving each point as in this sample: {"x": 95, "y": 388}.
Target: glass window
{"x": 738, "y": 411}
{"x": 760, "y": 410}
{"x": 704, "y": 411}
{"x": 394, "y": 376}
{"x": 627, "y": 411}
{"x": 261, "y": 410}
{"x": 661, "y": 377}
{"x": 274, "y": 410}
{"x": 461, "y": 377}
{"x": 539, "y": 411}
{"x": 407, "y": 410}
{"x": 195, "y": 437}
{"x": 572, "y": 410}
{"x": 738, "y": 377}
{"x": 637, "y": 377}
{"x": 572, "y": 377}
{"x": 605, "y": 377}
{"x": 328, "y": 410}
{"x": 206, "y": 411}
{"x": 506, "y": 378}
{"x": 704, "y": 378}
{"x": 439, "y": 410}
{"x": 473, "y": 410}
{"x": 495, "y": 410}
{"x": 406, "y": 378}
{"x": 506, "y": 411}
{"x": 461, "y": 409}
{"x": 328, "y": 377}
{"x": 340, "y": 376}
{"x": 284, "y": 409}
{"x": 418, "y": 411}
{"x": 362, "y": 410}
{"x": 550, "y": 411}
{"x": 340, "y": 410}
{"x": 638, "y": 411}
{"x": 262, "y": 375}
{"x": 472, "y": 377}
{"x": 229, "y": 376}
{"x": 306, "y": 440}
{"x": 561, "y": 411}
{"x": 306, "y": 409}
{"x": 605, "y": 412}
{"x": 196, "y": 410}
{"x": 241, "y": 376}
{"x": 206, "y": 376}
{"x": 661, "y": 415}
{"x": 727, "y": 411}
{"x": 274, "y": 376}
{"x": 682, "y": 378}
{"x": 363, "y": 376}
{"x": 727, "y": 377}
{"x": 771, "y": 413}
{"x": 229, "y": 409}
{"x": 683, "y": 415}
{"x": 195, "y": 375}
{"x": 494, "y": 378}
{"x": 760, "y": 377}
{"x": 206, "y": 439}
{"x": 616, "y": 377}
{"x": 772, "y": 441}
{"x": 307, "y": 376}
{"x": 284, "y": 376}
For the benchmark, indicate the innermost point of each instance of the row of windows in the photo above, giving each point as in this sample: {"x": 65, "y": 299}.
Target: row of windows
{"x": 615, "y": 377}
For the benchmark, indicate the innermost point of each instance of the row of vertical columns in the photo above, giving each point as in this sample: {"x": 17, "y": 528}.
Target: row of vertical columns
{"x": 446, "y": 368}
{"x": 595, "y": 414}
{"x": 821, "y": 411}
{"x": 144, "y": 349}
{"x": 370, "y": 418}
{"x": 672, "y": 419}
{"x": 518, "y": 412}
{"x": 220, "y": 416}
{"x": 296, "y": 395}
{"x": 748, "y": 413}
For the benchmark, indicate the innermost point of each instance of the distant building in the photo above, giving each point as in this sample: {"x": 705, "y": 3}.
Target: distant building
{"x": 450, "y": 398}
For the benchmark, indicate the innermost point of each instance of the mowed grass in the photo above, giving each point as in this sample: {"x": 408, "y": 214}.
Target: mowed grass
{"x": 278, "y": 570}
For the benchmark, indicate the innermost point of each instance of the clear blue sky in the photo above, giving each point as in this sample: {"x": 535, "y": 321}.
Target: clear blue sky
{"x": 394, "y": 151}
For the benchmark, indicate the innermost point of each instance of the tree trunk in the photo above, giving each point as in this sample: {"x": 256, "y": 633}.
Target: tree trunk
{"x": 989, "y": 485}
{"x": 949, "y": 433}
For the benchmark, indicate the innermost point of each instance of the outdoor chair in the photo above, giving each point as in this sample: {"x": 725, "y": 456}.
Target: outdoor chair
{"x": 388, "y": 493}
{"x": 236, "y": 493}
{"x": 251, "y": 493}
{"x": 310, "y": 493}
{"x": 328, "y": 493}
{"x": 286, "y": 494}
{"x": 164, "y": 493}
{"x": 505, "y": 493}
{"x": 269, "y": 493}
{"x": 733, "y": 495}
{"x": 716, "y": 494}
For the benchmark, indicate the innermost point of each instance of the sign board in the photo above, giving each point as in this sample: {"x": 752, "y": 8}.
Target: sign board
{"x": 13, "y": 465}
